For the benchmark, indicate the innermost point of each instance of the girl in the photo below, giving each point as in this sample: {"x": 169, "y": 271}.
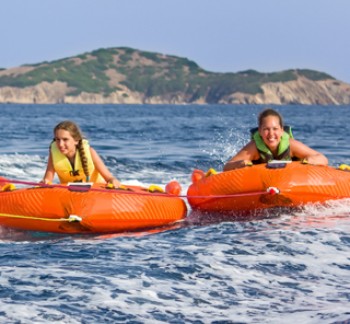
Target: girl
{"x": 271, "y": 142}
{"x": 74, "y": 160}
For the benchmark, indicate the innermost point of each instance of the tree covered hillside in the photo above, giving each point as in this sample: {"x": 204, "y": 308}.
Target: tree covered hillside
{"x": 106, "y": 70}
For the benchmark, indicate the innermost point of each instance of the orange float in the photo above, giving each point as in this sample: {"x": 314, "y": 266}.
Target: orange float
{"x": 87, "y": 209}
{"x": 262, "y": 186}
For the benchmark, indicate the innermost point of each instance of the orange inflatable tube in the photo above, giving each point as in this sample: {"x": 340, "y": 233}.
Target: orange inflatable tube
{"x": 77, "y": 209}
{"x": 267, "y": 185}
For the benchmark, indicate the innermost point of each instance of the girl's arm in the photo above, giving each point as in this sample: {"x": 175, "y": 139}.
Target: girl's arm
{"x": 303, "y": 152}
{"x": 50, "y": 171}
{"x": 102, "y": 169}
{"x": 247, "y": 154}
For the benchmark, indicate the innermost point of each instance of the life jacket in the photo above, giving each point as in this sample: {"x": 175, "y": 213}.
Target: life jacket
{"x": 283, "y": 152}
{"x": 65, "y": 171}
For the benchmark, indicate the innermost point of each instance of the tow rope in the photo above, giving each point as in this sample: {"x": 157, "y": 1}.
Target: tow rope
{"x": 268, "y": 191}
{"x": 70, "y": 219}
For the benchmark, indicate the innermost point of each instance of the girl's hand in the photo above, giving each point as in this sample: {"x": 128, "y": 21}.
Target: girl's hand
{"x": 114, "y": 182}
{"x": 45, "y": 181}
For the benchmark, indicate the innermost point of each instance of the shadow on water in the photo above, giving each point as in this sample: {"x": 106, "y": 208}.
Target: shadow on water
{"x": 203, "y": 218}
{"x": 313, "y": 214}
{"x": 14, "y": 235}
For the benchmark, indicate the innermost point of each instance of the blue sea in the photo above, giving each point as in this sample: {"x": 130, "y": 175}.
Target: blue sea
{"x": 293, "y": 267}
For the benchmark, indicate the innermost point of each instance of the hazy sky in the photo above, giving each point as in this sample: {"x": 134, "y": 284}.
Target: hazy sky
{"x": 219, "y": 35}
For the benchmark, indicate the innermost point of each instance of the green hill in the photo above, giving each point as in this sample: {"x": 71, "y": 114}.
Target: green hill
{"x": 107, "y": 70}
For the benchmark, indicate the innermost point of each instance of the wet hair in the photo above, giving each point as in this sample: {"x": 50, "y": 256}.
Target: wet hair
{"x": 77, "y": 134}
{"x": 270, "y": 112}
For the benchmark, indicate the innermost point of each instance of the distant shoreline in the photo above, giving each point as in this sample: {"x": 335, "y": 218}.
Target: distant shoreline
{"x": 128, "y": 76}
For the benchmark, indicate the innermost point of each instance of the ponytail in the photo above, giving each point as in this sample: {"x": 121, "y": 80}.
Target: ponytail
{"x": 83, "y": 159}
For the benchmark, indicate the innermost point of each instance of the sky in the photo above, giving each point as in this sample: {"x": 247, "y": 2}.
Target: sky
{"x": 219, "y": 35}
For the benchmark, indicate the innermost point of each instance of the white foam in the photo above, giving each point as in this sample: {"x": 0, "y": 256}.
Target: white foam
{"x": 22, "y": 166}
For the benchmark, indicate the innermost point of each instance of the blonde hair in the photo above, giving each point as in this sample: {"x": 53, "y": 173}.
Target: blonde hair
{"x": 77, "y": 134}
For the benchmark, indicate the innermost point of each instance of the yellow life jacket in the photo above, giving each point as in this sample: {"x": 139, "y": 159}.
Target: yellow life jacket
{"x": 65, "y": 171}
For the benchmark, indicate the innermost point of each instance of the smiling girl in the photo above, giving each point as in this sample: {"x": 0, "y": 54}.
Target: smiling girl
{"x": 271, "y": 142}
{"x": 72, "y": 158}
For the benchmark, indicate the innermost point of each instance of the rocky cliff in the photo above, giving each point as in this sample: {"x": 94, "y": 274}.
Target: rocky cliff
{"x": 301, "y": 91}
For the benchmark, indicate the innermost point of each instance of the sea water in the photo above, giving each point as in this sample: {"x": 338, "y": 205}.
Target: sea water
{"x": 285, "y": 268}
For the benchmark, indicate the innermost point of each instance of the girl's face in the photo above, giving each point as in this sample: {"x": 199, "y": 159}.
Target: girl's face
{"x": 65, "y": 143}
{"x": 271, "y": 132}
